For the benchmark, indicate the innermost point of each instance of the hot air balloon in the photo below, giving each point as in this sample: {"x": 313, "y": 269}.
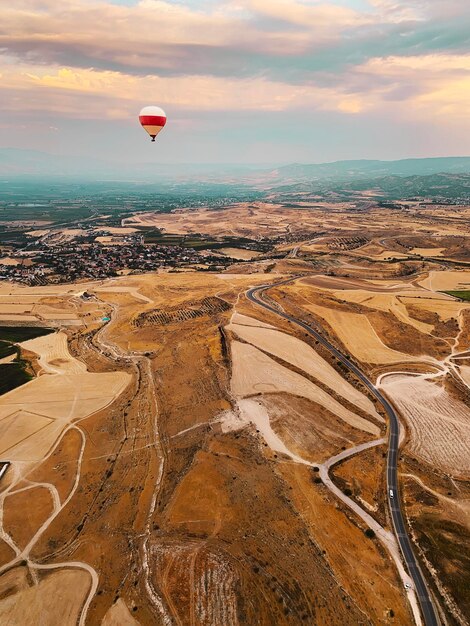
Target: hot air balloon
{"x": 153, "y": 119}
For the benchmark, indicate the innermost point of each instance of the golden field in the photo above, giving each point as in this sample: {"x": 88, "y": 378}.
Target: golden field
{"x": 164, "y": 464}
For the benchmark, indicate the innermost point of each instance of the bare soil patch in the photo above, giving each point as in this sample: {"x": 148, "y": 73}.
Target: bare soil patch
{"x": 307, "y": 428}
{"x": 254, "y": 373}
{"x": 364, "y": 475}
{"x": 56, "y": 469}
{"x": 240, "y": 253}
{"x": 24, "y": 512}
{"x": 59, "y": 595}
{"x": 119, "y": 615}
{"x": 446, "y": 280}
{"x": 438, "y": 423}
{"x": 301, "y": 355}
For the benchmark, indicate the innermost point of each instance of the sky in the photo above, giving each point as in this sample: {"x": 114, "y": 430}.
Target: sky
{"x": 243, "y": 81}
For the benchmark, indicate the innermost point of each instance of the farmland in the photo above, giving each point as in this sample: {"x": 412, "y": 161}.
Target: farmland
{"x": 186, "y": 456}
{"x": 461, "y": 295}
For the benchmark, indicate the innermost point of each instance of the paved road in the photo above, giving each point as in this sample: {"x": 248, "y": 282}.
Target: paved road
{"x": 426, "y": 604}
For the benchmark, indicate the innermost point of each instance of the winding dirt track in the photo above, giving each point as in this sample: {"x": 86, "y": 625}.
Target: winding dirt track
{"x": 20, "y": 474}
{"x": 144, "y": 364}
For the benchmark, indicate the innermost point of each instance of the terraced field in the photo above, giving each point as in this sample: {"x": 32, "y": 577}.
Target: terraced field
{"x": 193, "y": 310}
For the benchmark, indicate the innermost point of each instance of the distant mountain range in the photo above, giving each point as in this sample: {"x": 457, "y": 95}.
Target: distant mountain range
{"x": 17, "y": 163}
{"x": 367, "y": 169}
{"x": 440, "y": 187}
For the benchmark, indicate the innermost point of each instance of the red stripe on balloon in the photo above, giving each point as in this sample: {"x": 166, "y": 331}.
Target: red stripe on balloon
{"x": 152, "y": 120}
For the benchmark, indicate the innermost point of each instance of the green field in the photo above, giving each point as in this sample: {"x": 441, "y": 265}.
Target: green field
{"x": 6, "y": 349}
{"x": 195, "y": 241}
{"x": 462, "y": 295}
{"x": 16, "y": 334}
{"x": 13, "y": 375}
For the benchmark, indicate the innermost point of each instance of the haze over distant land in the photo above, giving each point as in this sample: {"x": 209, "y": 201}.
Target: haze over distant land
{"x": 16, "y": 163}
{"x": 287, "y": 80}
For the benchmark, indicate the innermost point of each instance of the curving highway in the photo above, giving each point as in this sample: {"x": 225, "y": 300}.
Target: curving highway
{"x": 427, "y": 607}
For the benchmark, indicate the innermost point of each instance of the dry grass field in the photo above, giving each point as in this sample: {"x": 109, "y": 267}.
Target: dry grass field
{"x": 300, "y": 355}
{"x": 165, "y": 464}
{"x": 359, "y": 336}
{"x": 428, "y": 383}
{"x": 254, "y": 372}
{"x": 438, "y": 423}
{"x": 33, "y": 416}
{"x": 58, "y": 595}
{"x": 155, "y": 481}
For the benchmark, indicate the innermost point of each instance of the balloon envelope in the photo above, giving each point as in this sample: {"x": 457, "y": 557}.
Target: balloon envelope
{"x": 153, "y": 119}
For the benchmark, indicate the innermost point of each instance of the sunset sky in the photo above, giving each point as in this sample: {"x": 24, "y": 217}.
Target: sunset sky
{"x": 241, "y": 81}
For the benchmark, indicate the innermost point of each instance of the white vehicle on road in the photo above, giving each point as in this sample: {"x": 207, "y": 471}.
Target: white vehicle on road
{"x": 391, "y": 492}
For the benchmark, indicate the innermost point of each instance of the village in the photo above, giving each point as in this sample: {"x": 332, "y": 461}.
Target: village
{"x": 67, "y": 262}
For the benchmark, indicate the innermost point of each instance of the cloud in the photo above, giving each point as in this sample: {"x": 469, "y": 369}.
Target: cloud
{"x": 283, "y": 40}
{"x": 402, "y": 62}
{"x": 94, "y": 94}
{"x": 329, "y": 16}
{"x": 435, "y": 85}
